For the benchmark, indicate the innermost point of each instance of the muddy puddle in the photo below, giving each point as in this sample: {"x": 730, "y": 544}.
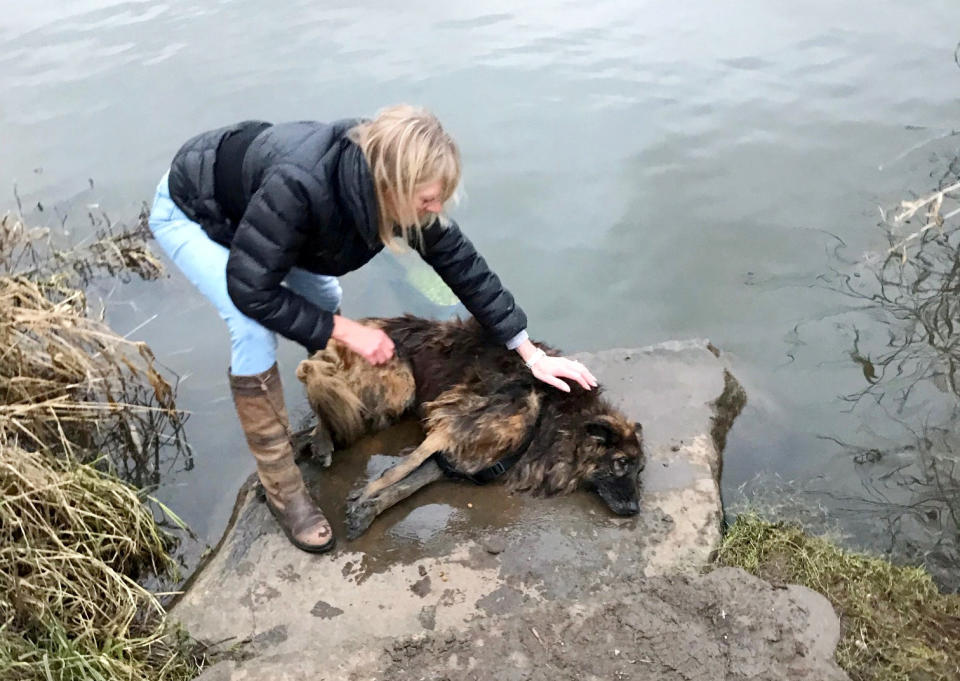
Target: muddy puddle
{"x": 446, "y": 513}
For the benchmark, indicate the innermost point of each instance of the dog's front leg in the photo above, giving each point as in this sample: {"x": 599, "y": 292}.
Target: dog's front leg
{"x": 363, "y": 507}
{"x": 434, "y": 442}
{"x": 362, "y": 510}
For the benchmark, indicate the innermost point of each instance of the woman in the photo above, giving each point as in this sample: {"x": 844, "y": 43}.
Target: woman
{"x": 262, "y": 219}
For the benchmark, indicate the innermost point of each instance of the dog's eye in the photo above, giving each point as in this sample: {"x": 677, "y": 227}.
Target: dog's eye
{"x": 620, "y": 465}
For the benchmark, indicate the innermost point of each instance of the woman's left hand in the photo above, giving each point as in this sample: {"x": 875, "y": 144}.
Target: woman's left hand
{"x": 551, "y": 369}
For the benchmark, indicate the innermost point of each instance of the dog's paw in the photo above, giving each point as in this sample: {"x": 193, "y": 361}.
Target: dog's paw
{"x": 360, "y": 515}
{"x": 321, "y": 455}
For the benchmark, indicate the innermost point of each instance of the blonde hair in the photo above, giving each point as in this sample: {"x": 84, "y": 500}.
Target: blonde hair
{"x": 406, "y": 147}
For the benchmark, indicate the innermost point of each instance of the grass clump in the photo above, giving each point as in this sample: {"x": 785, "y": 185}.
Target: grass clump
{"x": 896, "y": 625}
{"x": 73, "y": 541}
{"x": 77, "y": 403}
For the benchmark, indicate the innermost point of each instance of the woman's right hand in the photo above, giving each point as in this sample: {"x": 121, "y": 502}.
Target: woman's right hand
{"x": 372, "y": 344}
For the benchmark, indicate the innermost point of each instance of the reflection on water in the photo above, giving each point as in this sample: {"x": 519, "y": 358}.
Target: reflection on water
{"x": 912, "y": 296}
{"x": 904, "y": 337}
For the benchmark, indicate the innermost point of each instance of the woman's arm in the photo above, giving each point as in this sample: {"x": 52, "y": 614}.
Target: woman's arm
{"x": 266, "y": 246}
{"x": 451, "y": 254}
{"x": 457, "y": 262}
{"x": 264, "y": 249}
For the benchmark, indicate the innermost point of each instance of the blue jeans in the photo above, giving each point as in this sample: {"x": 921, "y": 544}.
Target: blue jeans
{"x": 253, "y": 348}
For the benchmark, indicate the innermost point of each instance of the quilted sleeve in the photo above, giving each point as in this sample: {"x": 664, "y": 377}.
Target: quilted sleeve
{"x": 453, "y": 256}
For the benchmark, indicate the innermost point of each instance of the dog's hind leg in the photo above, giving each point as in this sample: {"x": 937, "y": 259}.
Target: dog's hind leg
{"x": 362, "y": 511}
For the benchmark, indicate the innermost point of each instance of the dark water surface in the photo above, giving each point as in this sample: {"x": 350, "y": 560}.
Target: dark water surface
{"x": 635, "y": 172}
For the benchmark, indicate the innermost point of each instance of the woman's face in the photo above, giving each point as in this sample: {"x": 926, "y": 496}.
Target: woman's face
{"x": 427, "y": 198}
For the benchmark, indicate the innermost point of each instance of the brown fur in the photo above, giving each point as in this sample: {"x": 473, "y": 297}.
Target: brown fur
{"x": 478, "y": 404}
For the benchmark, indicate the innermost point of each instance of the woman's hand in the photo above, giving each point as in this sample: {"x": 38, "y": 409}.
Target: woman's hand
{"x": 372, "y": 344}
{"x": 551, "y": 369}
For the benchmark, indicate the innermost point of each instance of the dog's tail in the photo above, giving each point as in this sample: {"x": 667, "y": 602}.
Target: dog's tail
{"x": 332, "y": 398}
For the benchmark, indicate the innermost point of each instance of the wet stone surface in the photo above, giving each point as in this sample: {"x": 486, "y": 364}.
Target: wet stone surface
{"x": 455, "y": 556}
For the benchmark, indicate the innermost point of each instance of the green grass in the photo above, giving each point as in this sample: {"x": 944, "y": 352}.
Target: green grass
{"x": 896, "y": 625}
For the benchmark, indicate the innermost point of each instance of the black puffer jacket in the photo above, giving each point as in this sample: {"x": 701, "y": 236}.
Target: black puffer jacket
{"x": 311, "y": 204}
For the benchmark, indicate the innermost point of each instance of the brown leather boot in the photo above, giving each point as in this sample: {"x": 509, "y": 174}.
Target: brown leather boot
{"x": 263, "y": 416}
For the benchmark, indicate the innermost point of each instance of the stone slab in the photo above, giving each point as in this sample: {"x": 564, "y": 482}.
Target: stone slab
{"x": 455, "y": 554}
{"x": 723, "y": 626}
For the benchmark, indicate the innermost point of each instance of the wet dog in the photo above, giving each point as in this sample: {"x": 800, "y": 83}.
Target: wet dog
{"x": 485, "y": 417}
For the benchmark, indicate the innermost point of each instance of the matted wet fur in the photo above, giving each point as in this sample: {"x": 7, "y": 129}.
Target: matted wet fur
{"x": 477, "y": 403}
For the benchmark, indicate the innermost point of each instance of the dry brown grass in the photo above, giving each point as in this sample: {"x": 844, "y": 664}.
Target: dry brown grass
{"x": 74, "y": 539}
{"x": 66, "y": 379}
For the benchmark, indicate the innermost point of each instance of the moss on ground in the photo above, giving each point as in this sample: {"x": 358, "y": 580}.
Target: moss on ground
{"x": 896, "y": 625}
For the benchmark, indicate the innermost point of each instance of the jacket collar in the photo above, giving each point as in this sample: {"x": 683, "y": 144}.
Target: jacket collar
{"x": 357, "y": 192}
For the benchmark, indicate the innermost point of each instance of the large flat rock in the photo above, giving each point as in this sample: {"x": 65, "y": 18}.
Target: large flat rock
{"x": 722, "y": 626}
{"x": 456, "y": 557}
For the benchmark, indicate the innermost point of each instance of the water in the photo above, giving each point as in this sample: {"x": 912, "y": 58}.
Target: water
{"x": 634, "y": 171}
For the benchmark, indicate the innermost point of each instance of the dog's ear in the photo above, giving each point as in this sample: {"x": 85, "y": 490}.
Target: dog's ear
{"x": 601, "y": 430}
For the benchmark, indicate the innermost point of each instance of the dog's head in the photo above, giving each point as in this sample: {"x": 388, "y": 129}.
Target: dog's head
{"x": 612, "y": 447}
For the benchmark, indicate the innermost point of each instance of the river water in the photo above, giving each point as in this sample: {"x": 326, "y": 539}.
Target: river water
{"x": 634, "y": 171}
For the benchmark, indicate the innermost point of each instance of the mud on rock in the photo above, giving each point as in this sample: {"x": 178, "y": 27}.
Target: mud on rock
{"x": 726, "y": 625}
